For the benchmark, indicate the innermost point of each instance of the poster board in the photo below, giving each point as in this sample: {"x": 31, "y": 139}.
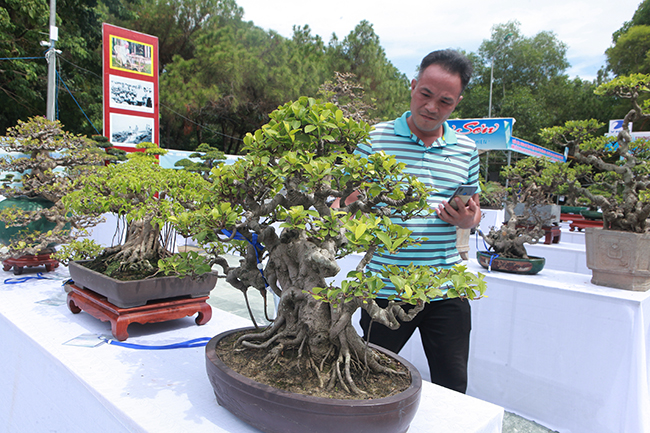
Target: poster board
{"x": 130, "y": 87}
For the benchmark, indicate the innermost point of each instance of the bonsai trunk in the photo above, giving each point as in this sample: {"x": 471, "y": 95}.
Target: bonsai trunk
{"x": 317, "y": 335}
{"x": 140, "y": 251}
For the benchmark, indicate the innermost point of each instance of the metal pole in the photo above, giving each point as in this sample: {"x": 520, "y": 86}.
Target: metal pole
{"x": 50, "y": 55}
{"x": 491, "y": 80}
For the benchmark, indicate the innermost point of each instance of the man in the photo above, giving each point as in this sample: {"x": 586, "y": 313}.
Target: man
{"x": 423, "y": 140}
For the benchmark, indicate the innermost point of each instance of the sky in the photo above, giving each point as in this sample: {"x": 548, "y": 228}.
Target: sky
{"x": 410, "y": 29}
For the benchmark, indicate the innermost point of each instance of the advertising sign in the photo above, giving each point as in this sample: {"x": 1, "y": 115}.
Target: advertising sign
{"x": 488, "y": 134}
{"x": 130, "y": 81}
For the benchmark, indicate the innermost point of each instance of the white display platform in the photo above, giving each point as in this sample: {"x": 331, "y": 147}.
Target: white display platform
{"x": 49, "y": 386}
{"x": 556, "y": 349}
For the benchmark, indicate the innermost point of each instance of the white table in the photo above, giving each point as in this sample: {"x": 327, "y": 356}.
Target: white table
{"x": 49, "y": 386}
{"x": 556, "y": 349}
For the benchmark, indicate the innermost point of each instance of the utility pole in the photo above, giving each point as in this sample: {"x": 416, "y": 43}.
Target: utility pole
{"x": 50, "y": 56}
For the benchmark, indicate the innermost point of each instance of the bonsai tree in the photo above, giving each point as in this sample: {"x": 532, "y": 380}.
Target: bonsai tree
{"x": 42, "y": 164}
{"x": 144, "y": 196}
{"x": 533, "y": 182}
{"x": 619, "y": 168}
{"x": 278, "y": 198}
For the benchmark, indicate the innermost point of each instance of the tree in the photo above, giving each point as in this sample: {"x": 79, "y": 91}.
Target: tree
{"x": 361, "y": 53}
{"x": 294, "y": 166}
{"x": 530, "y": 84}
{"x": 631, "y": 53}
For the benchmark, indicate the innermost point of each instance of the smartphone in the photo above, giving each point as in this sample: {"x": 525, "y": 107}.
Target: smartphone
{"x": 464, "y": 192}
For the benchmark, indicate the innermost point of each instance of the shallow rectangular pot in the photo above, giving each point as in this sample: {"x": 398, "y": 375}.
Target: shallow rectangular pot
{"x": 129, "y": 294}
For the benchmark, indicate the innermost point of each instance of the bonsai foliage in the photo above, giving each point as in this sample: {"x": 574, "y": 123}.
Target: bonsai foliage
{"x": 620, "y": 168}
{"x": 278, "y": 197}
{"x": 492, "y": 195}
{"x": 533, "y": 182}
{"x": 144, "y": 195}
{"x": 42, "y": 163}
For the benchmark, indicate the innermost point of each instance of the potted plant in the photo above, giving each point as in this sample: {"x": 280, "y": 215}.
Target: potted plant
{"x": 532, "y": 184}
{"x": 618, "y": 252}
{"x": 41, "y": 164}
{"x": 143, "y": 196}
{"x": 277, "y": 197}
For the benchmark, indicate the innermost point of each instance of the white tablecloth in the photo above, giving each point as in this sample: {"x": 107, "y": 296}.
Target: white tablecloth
{"x": 559, "y": 350}
{"x": 47, "y": 385}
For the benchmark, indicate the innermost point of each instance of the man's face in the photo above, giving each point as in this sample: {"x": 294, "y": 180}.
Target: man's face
{"x": 433, "y": 98}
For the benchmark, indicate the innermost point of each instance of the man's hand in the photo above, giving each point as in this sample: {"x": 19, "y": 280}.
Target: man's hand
{"x": 466, "y": 217}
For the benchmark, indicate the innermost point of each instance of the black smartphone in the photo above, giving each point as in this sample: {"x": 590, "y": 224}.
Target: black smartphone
{"x": 464, "y": 192}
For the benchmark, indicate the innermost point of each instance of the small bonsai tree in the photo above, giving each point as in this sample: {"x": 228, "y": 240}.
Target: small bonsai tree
{"x": 620, "y": 168}
{"x": 278, "y": 197}
{"x": 44, "y": 164}
{"x": 144, "y": 195}
{"x": 533, "y": 182}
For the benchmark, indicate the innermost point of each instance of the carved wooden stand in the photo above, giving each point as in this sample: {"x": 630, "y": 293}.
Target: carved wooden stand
{"x": 551, "y": 234}
{"x": 30, "y": 262}
{"x": 159, "y": 311}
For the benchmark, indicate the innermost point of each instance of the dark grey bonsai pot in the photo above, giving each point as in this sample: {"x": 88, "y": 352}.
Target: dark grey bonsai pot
{"x": 277, "y": 411}
{"x": 129, "y": 294}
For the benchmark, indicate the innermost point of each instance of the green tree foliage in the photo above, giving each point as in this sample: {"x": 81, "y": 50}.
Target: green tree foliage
{"x": 631, "y": 53}
{"x": 529, "y": 83}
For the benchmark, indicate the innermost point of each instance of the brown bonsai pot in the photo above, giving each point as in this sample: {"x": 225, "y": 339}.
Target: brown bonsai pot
{"x": 277, "y": 411}
{"x": 135, "y": 293}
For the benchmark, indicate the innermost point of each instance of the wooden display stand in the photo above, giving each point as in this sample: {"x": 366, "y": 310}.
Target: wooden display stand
{"x": 157, "y": 311}
{"x": 551, "y": 234}
{"x": 581, "y": 224}
{"x": 30, "y": 262}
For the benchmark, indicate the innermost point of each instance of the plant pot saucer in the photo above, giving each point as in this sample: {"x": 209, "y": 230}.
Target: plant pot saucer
{"x": 529, "y": 266}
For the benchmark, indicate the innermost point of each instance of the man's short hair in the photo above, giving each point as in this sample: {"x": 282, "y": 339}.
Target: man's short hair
{"x": 452, "y": 61}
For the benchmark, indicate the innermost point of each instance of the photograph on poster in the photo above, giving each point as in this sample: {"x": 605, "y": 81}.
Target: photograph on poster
{"x": 129, "y": 94}
{"x": 131, "y": 56}
{"x": 131, "y": 129}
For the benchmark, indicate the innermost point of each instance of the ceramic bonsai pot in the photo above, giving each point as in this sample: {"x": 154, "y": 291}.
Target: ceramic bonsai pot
{"x": 135, "y": 293}
{"x": 277, "y": 411}
{"x": 618, "y": 259}
{"x": 529, "y": 266}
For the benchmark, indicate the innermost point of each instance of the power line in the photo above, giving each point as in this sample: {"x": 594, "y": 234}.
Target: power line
{"x": 198, "y": 124}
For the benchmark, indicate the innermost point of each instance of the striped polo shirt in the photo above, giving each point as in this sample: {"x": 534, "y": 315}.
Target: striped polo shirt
{"x": 451, "y": 161}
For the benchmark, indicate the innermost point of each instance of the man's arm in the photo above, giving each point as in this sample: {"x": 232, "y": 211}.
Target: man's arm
{"x": 466, "y": 217}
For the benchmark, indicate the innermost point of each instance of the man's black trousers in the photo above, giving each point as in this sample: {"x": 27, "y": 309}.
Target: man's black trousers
{"x": 444, "y": 326}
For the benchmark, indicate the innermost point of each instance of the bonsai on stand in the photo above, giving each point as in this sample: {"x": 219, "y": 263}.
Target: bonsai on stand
{"x": 619, "y": 253}
{"x": 42, "y": 164}
{"x": 279, "y": 196}
{"x": 126, "y": 275}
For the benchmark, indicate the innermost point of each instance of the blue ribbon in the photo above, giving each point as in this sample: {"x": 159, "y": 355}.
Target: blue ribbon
{"x": 487, "y": 250}
{"x": 197, "y": 342}
{"x": 256, "y": 246}
{"x": 38, "y": 276}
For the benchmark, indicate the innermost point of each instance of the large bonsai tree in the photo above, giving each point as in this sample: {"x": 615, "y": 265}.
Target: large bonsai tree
{"x": 620, "y": 169}
{"x": 278, "y": 197}
{"x": 41, "y": 164}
